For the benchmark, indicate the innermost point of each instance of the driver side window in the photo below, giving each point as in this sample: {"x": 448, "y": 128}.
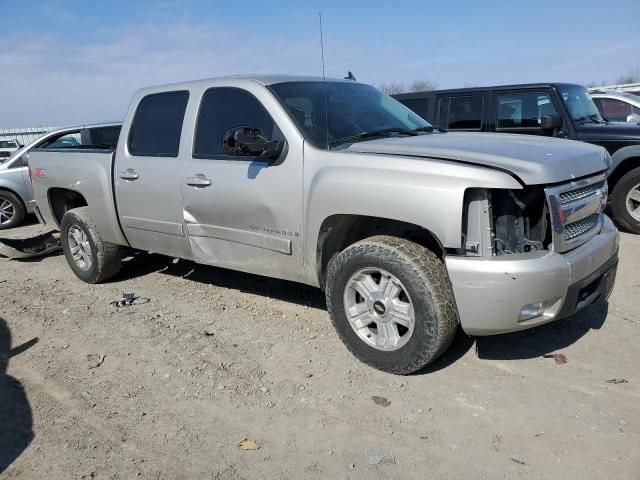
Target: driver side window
{"x": 224, "y": 108}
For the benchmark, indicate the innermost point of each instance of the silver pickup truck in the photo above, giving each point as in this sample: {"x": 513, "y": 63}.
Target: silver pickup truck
{"x": 410, "y": 231}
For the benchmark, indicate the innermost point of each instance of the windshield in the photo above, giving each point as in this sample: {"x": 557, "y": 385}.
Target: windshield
{"x": 579, "y": 104}
{"x": 353, "y": 112}
{"x": 6, "y": 144}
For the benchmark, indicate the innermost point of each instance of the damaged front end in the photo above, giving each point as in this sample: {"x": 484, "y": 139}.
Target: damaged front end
{"x": 553, "y": 218}
{"x": 533, "y": 255}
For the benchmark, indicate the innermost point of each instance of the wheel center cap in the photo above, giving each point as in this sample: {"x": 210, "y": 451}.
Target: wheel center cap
{"x": 379, "y": 307}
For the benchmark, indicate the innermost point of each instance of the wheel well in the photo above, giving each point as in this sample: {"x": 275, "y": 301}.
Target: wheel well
{"x": 339, "y": 231}
{"x": 621, "y": 170}
{"x": 62, "y": 200}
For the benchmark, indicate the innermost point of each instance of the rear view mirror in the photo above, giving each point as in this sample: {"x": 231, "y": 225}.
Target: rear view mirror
{"x": 250, "y": 142}
{"x": 550, "y": 122}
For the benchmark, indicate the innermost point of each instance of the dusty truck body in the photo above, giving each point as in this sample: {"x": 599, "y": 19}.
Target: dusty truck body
{"x": 409, "y": 230}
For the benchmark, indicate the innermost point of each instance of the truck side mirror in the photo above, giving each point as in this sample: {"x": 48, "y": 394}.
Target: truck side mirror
{"x": 550, "y": 122}
{"x": 250, "y": 142}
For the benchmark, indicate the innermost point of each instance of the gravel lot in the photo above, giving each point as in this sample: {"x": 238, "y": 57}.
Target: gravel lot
{"x": 216, "y": 357}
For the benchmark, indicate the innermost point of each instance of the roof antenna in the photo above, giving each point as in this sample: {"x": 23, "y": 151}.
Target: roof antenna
{"x": 321, "y": 45}
{"x": 350, "y": 76}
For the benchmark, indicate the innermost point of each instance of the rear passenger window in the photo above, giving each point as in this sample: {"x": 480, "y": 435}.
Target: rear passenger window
{"x": 461, "y": 112}
{"x": 522, "y": 110}
{"x": 157, "y": 125}
{"x": 418, "y": 105}
{"x": 223, "y": 108}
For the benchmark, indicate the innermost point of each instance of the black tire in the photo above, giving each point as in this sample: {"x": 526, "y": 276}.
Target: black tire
{"x": 618, "y": 202}
{"x": 17, "y": 207}
{"x": 105, "y": 257}
{"x": 424, "y": 277}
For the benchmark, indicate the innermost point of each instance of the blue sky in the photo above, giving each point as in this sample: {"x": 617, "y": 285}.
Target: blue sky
{"x": 67, "y": 62}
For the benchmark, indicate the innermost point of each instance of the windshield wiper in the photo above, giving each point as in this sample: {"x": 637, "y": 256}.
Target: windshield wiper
{"x": 593, "y": 118}
{"x": 376, "y": 133}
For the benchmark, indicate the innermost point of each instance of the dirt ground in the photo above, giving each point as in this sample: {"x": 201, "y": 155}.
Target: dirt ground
{"x": 216, "y": 357}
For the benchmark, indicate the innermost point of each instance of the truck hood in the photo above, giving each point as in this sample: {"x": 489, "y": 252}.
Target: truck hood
{"x": 534, "y": 160}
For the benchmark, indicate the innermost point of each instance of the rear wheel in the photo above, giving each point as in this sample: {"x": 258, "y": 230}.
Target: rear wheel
{"x": 91, "y": 259}
{"x": 391, "y": 303}
{"x": 625, "y": 201}
{"x": 12, "y": 211}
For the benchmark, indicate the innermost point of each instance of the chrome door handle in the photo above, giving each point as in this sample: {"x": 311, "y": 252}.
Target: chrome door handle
{"x": 198, "y": 181}
{"x": 129, "y": 174}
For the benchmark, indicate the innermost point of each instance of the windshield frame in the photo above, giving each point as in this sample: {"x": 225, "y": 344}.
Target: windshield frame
{"x": 323, "y": 139}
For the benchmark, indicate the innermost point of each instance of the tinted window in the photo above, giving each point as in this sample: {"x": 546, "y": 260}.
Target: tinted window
{"x": 102, "y": 136}
{"x": 418, "y": 105}
{"x": 460, "y": 112}
{"x": 8, "y": 144}
{"x": 615, "y": 110}
{"x": 224, "y": 108}
{"x": 521, "y": 110}
{"x": 157, "y": 125}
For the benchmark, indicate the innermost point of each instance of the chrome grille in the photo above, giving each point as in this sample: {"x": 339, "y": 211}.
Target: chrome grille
{"x": 580, "y": 193}
{"x": 576, "y": 229}
{"x": 576, "y": 211}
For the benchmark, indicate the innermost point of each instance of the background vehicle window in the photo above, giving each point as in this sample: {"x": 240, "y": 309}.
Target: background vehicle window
{"x": 521, "y": 110}
{"x": 461, "y": 112}
{"x": 418, "y": 105}
{"x": 615, "y": 110}
{"x": 157, "y": 124}
{"x": 68, "y": 140}
{"x": 8, "y": 144}
{"x": 224, "y": 108}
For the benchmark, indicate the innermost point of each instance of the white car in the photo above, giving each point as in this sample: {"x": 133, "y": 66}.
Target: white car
{"x": 7, "y": 147}
{"x": 618, "y": 106}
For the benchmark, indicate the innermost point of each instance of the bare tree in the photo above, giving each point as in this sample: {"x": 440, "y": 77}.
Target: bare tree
{"x": 422, "y": 86}
{"x": 393, "y": 88}
{"x": 633, "y": 76}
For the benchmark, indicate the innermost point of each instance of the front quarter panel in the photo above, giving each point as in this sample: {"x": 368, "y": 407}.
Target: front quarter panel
{"x": 622, "y": 154}
{"x": 425, "y": 192}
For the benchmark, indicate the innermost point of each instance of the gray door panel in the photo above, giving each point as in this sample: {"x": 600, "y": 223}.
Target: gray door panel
{"x": 147, "y": 184}
{"x": 242, "y": 212}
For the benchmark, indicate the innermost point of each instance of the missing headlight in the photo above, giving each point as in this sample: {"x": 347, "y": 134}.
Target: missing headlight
{"x": 520, "y": 220}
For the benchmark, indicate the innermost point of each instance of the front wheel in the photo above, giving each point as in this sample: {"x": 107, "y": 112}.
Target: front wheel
{"x": 625, "y": 201}
{"x": 391, "y": 303}
{"x": 91, "y": 259}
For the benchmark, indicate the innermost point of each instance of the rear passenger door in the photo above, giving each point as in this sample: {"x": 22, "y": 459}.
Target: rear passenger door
{"x": 147, "y": 175}
{"x": 463, "y": 112}
{"x": 522, "y": 111}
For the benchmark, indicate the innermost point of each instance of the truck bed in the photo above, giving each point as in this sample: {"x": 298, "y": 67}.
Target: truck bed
{"x": 87, "y": 171}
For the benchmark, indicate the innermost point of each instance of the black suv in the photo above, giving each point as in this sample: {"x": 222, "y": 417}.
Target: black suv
{"x": 554, "y": 109}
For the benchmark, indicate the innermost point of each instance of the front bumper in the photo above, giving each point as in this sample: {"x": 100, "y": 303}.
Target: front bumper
{"x": 491, "y": 292}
